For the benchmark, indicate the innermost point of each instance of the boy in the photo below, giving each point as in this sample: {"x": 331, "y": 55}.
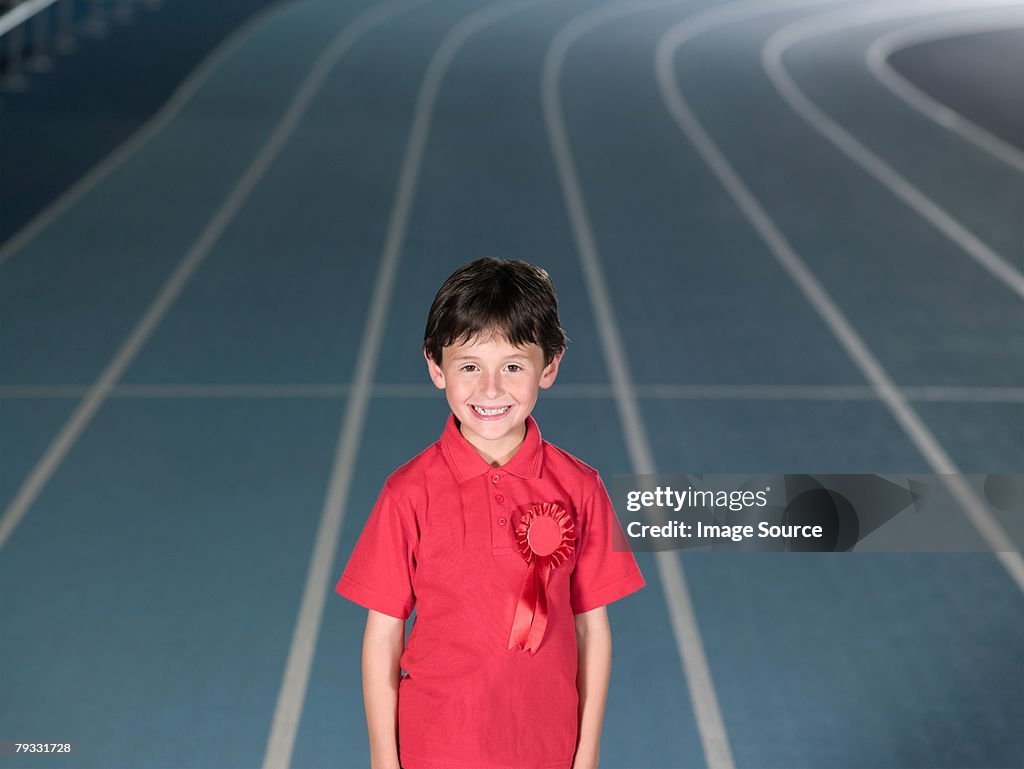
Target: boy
{"x": 502, "y": 542}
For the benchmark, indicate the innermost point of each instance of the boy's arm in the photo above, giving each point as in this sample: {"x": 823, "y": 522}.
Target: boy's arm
{"x": 383, "y": 643}
{"x": 594, "y": 654}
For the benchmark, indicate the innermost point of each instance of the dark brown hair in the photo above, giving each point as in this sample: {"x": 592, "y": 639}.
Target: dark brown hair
{"x": 506, "y": 296}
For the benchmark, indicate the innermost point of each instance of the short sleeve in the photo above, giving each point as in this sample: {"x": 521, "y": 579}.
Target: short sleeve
{"x": 380, "y": 572}
{"x": 605, "y": 567}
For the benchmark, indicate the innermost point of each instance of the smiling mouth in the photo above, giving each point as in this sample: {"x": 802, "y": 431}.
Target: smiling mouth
{"x": 491, "y": 412}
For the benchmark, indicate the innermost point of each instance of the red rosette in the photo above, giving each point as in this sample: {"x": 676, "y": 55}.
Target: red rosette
{"x": 546, "y": 537}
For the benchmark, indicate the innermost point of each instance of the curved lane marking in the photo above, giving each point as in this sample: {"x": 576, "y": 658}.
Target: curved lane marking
{"x": 885, "y": 388}
{"x": 772, "y": 55}
{"x": 683, "y": 619}
{"x": 292, "y": 694}
{"x": 880, "y": 51}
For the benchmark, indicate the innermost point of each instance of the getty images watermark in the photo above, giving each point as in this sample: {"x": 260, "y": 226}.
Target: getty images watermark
{"x": 815, "y": 513}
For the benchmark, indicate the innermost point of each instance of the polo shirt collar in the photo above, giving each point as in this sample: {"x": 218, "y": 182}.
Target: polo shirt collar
{"x": 466, "y": 463}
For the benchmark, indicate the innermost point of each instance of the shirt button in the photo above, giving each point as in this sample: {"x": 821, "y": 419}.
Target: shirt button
{"x": 495, "y": 478}
{"x": 498, "y": 498}
{"x": 502, "y": 521}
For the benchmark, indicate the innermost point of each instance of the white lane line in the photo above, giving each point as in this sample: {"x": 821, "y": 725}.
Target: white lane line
{"x": 965, "y": 394}
{"x": 181, "y": 391}
{"x": 145, "y": 133}
{"x": 793, "y": 34}
{"x": 884, "y": 47}
{"x": 816, "y": 295}
{"x": 295, "y": 681}
{"x": 937, "y": 394}
{"x": 689, "y": 645}
{"x": 22, "y": 12}
{"x": 175, "y": 284}
{"x": 927, "y": 393}
{"x": 230, "y": 391}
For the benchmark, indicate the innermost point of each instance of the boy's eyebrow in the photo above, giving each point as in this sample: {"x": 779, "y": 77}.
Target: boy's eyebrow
{"x": 518, "y": 356}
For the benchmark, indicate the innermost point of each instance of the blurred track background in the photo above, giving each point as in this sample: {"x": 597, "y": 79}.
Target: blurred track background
{"x": 787, "y": 237}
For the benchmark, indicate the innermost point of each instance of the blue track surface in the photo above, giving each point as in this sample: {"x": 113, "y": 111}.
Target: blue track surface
{"x": 181, "y": 353}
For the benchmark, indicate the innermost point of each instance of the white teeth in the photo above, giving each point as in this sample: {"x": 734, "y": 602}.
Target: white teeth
{"x": 491, "y": 412}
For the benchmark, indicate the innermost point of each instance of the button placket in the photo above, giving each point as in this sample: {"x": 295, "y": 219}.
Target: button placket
{"x": 502, "y": 518}
{"x": 502, "y": 541}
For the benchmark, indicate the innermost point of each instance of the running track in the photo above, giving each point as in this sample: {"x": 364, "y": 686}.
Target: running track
{"x": 768, "y": 259}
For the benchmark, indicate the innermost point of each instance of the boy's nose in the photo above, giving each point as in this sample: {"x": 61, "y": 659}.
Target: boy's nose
{"x": 492, "y": 385}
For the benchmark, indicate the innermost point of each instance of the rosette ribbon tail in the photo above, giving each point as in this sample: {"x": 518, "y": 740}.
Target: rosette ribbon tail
{"x": 531, "y": 618}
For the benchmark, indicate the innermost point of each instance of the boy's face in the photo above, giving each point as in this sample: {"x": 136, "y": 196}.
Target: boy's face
{"x": 491, "y": 387}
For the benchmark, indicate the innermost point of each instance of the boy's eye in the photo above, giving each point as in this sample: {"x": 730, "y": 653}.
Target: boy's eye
{"x": 514, "y": 367}
{"x": 470, "y": 367}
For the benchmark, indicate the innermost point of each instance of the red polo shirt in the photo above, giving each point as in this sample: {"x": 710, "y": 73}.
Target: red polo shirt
{"x": 441, "y": 538}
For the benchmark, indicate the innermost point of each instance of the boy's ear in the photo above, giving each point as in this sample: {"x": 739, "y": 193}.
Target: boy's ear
{"x": 436, "y": 374}
{"x": 547, "y": 377}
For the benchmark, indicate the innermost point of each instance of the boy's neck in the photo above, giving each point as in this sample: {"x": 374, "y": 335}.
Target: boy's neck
{"x": 496, "y": 456}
